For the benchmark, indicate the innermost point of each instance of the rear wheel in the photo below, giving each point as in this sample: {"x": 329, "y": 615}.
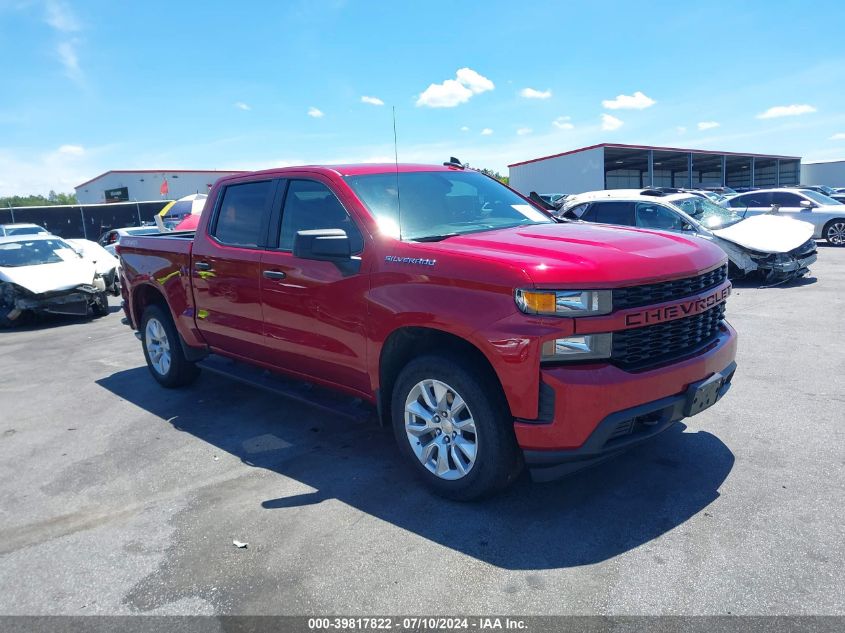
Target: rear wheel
{"x": 163, "y": 350}
{"x": 453, "y": 426}
{"x": 834, "y": 232}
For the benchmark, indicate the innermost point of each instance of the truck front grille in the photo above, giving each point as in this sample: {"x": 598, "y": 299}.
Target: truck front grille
{"x": 651, "y": 294}
{"x": 652, "y": 345}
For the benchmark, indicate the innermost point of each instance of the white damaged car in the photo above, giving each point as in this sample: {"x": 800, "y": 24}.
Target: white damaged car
{"x": 44, "y": 273}
{"x": 777, "y": 247}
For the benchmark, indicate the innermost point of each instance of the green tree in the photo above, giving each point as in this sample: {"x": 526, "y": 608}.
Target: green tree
{"x": 492, "y": 173}
{"x": 34, "y": 200}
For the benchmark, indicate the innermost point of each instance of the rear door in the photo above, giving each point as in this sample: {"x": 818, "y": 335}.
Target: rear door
{"x": 752, "y": 203}
{"x": 226, "y": 263}
{"x": 315, "y": 311}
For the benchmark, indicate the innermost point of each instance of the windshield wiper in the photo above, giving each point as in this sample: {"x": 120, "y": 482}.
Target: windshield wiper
{"x": 433, "y": 238}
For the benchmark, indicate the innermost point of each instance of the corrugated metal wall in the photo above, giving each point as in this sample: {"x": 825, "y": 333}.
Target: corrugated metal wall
{"x": 571, "y": 173}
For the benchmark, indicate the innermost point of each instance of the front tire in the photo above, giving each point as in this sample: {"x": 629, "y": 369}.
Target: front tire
{"x": 453, "y": 426}
{"x": 834, "y": 232}
{"x": 163, "y": 350}
{"x": 100, "y": 307}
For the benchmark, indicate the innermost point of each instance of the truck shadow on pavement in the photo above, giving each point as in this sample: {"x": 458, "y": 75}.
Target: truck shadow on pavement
{"x": 587, "y": 518}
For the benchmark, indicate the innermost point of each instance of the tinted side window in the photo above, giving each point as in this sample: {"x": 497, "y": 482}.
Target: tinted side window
{"x": 786, "y": 199}
{"x": 580, "y": 211}
{"x": 654, "y": 216}
{"x": 613, "y": 213}
{"x": 753, "y": 200}
{"x": 241, "y": 213}
{"x": 311, "y": 205}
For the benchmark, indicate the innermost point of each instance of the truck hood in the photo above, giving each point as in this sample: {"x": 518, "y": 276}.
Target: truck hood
{"x": 50, "y": 277}
{"x": 599, "y": 255}
{"x": 768, "y": 233}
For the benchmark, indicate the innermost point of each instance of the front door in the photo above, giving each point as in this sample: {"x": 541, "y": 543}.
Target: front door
{"x": 314, "y": 311}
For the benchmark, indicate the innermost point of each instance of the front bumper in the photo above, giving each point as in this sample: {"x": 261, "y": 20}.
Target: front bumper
{"x": 596, "y": 411}
{"x": 71, "y": 302}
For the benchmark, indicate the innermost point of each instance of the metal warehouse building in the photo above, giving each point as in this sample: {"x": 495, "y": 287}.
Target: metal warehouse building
{"x": 615, "y": 166}
{"x": 146, "y": 184}
{"x": 828, "y": 172}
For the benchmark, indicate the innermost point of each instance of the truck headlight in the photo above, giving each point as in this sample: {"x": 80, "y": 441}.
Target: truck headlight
{"x": 567, "y": 303}
{"x": 579, "y": 347}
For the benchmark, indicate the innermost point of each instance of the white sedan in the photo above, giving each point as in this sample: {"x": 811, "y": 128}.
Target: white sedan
{"x": 825, "y": 214}
{"x": 44, "y": 273}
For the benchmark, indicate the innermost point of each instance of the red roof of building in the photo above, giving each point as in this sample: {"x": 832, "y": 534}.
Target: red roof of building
{"x": 163, "y": 172}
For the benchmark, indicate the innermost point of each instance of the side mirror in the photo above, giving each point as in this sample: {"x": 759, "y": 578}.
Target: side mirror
{"x": 686, "y": 226}
{"x": 322, "y": 245}
{"x": 775, "y": 208}
{"x": 806, "y": 204}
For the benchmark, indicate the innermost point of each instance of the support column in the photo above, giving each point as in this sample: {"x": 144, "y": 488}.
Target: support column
{"x": 724, "y": 170}
{"x": 689, "y": 170}
{"x": 651, "y": 168}
{"x": 753, "y": 167}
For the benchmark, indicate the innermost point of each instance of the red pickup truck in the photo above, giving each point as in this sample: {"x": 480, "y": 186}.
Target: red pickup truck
{"x": 487, "y": 333}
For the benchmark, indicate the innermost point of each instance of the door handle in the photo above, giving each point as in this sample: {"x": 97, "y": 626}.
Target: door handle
{"x": 274, "y": 274}
{"x": 202, "y": 266}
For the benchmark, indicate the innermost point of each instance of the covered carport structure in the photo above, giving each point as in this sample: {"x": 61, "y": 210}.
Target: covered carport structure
{"x": 618, "y": 166}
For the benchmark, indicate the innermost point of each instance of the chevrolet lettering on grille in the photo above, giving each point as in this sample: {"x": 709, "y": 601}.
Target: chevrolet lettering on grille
{"x": 678, "y": 310}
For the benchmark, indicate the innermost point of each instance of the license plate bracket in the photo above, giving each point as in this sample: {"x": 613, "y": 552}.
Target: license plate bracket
{"x": 703, "y": 394}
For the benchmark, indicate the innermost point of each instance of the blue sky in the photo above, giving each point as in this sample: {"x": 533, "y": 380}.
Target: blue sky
{"x": 92, "y": 86}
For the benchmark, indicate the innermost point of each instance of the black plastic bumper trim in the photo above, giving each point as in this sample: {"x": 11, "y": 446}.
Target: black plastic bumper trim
{"x": 655, "y": 417}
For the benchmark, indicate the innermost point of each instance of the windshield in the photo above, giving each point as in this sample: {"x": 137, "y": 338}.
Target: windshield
{"x": 820, "y": 198}
{"x": 706, "y": 213}
{"x": 437, "y": 204}
{"x": 35, "y": 253}
{"x": 25, "y": 230}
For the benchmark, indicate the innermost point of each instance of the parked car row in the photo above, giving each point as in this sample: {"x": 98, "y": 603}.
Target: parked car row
{"x": 44, "y": 273}
{"x": 776, "y": 247}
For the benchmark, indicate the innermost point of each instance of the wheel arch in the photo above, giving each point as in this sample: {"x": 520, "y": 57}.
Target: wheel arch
{"x": 406, "y": 342}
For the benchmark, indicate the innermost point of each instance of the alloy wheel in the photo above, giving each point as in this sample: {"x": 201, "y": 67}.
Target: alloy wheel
{"x": 158, "y": 346}
{"x": 440, "y": 429}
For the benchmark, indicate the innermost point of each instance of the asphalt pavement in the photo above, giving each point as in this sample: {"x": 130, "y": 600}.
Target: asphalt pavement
{"x": 120, "y": 497}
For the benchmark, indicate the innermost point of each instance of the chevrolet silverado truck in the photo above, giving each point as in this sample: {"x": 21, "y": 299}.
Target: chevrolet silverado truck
{"x": 487, "y": 333}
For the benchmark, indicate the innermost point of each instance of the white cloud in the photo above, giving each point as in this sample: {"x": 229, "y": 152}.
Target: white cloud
{"x": 681, "y": 129}
{"x": 562, "y": 123}
{"x": 472, "y": 80}
{"x": 840, "y": 136}
{"x": 69, "y": 59}
{"x": 530, "y": 93}
{"x": 61, "y": 17}
{"x": 636, "y": 101}
{"x": 372, "y": 101}
{"x": 464, "y": 128}
{"x": 72, "y": 150}
{"x": 789, "y": 110}
{"x": 486, "y": 132}
{"x": 524, "y": 130}
{"x": 453, "y": 92}
{"x": 240, "y": 105}
{"x": 708, "y": 125}
{"x": 316, "y": 113}
{"x": 610, "y": 123}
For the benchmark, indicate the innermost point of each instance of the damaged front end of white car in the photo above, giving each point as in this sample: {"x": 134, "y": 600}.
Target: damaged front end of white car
{"x": 777, "y": 248}
{"x": 45, "y": 274}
